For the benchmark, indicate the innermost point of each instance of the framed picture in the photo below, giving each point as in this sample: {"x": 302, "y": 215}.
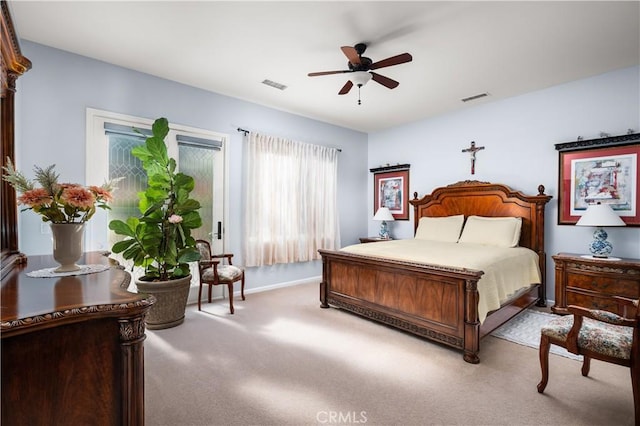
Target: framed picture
{"x": 391, "y": 189}
{"x": 599, "y": 171}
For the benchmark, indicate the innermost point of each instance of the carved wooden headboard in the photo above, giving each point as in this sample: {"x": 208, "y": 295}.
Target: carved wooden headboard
{"x": 490, "y": 200}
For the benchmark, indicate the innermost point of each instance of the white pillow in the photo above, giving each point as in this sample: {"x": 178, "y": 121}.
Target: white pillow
{"x": 492, "y": 231}
{"x": 446, "y": 229}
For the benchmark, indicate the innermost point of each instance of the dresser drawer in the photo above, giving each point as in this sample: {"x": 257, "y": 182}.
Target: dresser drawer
{"x": 595, "y": 301}
{"x": 603, "y": 284}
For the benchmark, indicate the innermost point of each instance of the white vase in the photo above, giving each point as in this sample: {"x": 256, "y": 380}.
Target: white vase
{"x": 68, "y": 245}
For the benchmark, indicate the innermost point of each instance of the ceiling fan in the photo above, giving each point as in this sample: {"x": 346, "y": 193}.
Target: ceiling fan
{"x": 361, "y": 66}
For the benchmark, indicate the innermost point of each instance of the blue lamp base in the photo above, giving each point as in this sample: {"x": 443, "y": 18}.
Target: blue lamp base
{"x": 600, "y": 247}
{"x": 384, "y": 230}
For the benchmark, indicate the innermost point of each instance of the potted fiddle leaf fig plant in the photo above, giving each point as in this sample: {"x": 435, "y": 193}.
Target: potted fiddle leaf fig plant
{"x": 159, "y": 240}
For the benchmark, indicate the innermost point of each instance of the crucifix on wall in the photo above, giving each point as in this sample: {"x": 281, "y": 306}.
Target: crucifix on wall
{"x": 472, "y": 150}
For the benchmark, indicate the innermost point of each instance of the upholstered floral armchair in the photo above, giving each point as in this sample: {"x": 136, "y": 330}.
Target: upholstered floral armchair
{"x": 600, "y": 335}
{"x": 217, "y": 270}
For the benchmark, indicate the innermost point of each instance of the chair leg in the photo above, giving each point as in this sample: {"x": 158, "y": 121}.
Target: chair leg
{"x": 230, "y": 286}
{"x": 586, "y": 365}
{"x": 210, "y": 289}
{"x": 200, "y": 297}
{"x": 544, "y": 362}
{"x": 242, "y": 288}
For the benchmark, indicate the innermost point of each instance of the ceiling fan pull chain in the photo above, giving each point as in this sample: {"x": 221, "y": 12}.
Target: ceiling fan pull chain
{"x": 359, "y": 86}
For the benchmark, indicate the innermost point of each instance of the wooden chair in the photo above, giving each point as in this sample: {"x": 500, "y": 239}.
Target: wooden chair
{"x": 217, "y": 270}
{"x": 596, "y": 334}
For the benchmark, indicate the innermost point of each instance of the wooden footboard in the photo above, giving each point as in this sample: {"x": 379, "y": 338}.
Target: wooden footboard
{"x": 434, "y": 302}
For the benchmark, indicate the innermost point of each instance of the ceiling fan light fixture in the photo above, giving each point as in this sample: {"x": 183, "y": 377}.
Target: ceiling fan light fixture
{"x": 360, "y": 78}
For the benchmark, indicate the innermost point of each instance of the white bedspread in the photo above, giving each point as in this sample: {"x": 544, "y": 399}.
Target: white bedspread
{"x": 506, "y": 270}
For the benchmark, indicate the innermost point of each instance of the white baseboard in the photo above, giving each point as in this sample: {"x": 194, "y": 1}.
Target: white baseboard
{"x": 193, "y": 293}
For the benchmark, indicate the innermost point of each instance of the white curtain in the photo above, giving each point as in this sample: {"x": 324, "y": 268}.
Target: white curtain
{"x": 291, "y": 209}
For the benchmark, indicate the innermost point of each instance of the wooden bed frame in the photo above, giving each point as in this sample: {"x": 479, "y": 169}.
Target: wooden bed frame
{"x": 439, "y": 303}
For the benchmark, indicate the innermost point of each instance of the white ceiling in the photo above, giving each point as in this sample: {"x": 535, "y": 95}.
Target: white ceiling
{"x": 459, "y": 49}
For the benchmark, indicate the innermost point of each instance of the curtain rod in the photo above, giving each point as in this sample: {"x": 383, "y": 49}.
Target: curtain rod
{"x": 240, "y": 129}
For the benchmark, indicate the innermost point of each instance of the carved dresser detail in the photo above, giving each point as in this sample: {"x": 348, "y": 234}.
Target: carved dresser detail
{"x": 592, "y": 283}
{"x": 72, "y": 347}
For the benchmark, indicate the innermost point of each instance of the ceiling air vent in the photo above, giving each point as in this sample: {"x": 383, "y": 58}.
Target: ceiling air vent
{"x": 274, "y": 84}
{"x": 473, "y": 98}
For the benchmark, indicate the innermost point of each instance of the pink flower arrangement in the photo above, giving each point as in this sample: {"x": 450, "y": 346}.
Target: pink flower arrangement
{"x": 58, "y": 202}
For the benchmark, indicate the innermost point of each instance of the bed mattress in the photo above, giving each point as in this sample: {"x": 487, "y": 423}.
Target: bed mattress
{"x": 506, "y": 270}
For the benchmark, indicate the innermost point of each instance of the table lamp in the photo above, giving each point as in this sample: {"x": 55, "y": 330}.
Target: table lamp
{"x": 384, "y": 215}
{"x": 600, "y": 215}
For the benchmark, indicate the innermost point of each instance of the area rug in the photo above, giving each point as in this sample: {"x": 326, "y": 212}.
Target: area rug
{"x": 524, "y": 329}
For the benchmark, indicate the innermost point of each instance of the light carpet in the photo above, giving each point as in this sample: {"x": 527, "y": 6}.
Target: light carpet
{"x": 281, "y": 360}
{"x": 524, "y": 329}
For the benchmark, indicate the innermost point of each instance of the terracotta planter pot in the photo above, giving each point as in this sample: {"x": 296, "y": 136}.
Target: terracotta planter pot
{"x": 171, "y": 301}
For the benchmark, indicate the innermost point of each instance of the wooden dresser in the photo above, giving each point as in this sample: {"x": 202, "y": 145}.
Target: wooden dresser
{"x": 72, "y": 347}
{"x": 12, "y": 66}
{"x": 591, "y": 283}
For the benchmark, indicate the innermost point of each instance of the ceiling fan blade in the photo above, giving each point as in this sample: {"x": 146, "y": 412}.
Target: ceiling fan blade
{"x": 315, "y": 74}
{"x": 352, "y": 54}
{"x": 385, "y": 81}
{"x": 394, "y": 60}
{"x": 345, "y": 89}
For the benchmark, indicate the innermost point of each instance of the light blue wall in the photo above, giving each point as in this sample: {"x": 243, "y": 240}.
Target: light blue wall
{"x": 51, "y": 102}
{"x": 519, "y": 135}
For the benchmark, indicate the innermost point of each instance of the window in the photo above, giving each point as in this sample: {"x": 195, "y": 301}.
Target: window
{"x": 199, "y": 153}
{"x": 291, "y": 209}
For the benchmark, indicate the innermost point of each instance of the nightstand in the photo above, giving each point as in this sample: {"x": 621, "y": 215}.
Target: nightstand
{"x": 592, "y": 283}
{"x": 373, "y": 239}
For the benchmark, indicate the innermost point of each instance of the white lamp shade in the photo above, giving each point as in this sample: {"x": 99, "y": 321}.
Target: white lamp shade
{"x": 383, "y": 213}
{"x": 360, "y": 78}
{"x": 600, "y": 215}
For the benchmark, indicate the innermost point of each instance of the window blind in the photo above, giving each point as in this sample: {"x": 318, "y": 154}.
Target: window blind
{"x": 199, "y": 142}
{"x": 121, "y": 129}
